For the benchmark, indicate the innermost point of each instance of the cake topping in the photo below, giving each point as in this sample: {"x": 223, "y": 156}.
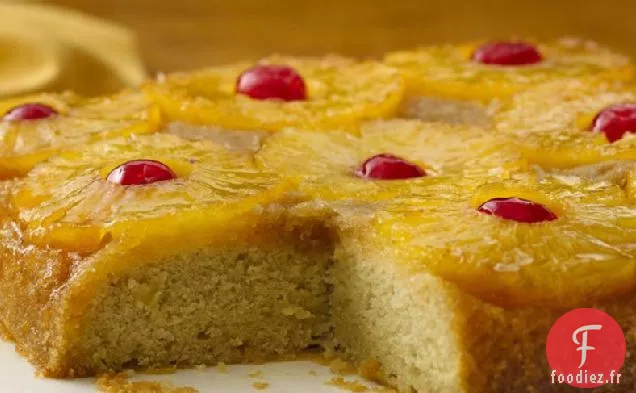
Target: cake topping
{"x": 139, "y": 172}
{"x": 517, "y": 209}
{"x": 615, "y": 121}
{"x": 264, "y": 82}
{"x": 31, "y": 111}
{"x": 388, "y": 167}
{"x": 507, "y": 53}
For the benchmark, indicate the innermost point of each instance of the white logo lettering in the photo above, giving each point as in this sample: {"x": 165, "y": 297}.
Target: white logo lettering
{"x": 583, "y": 343}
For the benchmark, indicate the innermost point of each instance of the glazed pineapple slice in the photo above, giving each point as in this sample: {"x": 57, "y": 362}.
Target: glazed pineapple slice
{"x": 386, "y": 154}
{"x": 519, "y": 242}
{"x": 572, "y": 123}
{"x": 612, "y": 172}
{"x": 32, "y": 128}
{"x": 630, "y": 185}
{"x": 485, "y": 71}
{"x": 142, "y": 185}
{"x": 280, "y": 91}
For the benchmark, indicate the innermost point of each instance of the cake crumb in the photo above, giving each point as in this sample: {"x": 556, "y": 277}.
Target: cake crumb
{"x": 119, "y": 384}
{"x": 161, "y": 370}
{"x": 339, "y": 366}
{"x": 255, "y": 374}
{"x": 260, "y": 385}
{"x": 370, "y": 369}
{"x": 313, "y": 373}
{"x": 352, "y": 386}
{"x": 221, "y": 367}
{"x": 329, "y": 354}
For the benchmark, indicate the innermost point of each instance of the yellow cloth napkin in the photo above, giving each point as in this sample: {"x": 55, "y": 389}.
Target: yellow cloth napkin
{"x": 44, "y": 47}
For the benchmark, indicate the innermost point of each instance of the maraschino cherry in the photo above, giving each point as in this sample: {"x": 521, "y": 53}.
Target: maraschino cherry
{"x": 30, "y": 111}
{"x": 279, "y": 82}
{"x": 139, "y": 172}
{"x": 388, "y": 167}
{"x": 507, "y": 53}
{"x": 517, "y": 209}
{"x": 615, "y": 121}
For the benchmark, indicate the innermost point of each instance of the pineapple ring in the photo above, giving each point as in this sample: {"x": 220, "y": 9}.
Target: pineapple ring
{"x": 630, "y": 185}
{"x": 552, "y": 120}
{"x": 586, "y": 254}
{"x": 447, "y": 71}
{"x": 613, "y": 172}
{"x": 79, "y": 121}
{"x": 324, "y": 162}
{"x": 340, "y": 93}
{"x": 68, "y": 203}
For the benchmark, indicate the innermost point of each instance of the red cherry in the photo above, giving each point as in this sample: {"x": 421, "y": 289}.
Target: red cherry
{"x": 139, "y": 172}
{"x": 32, "y": 111}
{"x": 615, "y": 121}
{"x": 507, "y": 53}
{"x": 388, "y": 167}
{"x": 517, "y": 209}
{"x": 264, "y": 82}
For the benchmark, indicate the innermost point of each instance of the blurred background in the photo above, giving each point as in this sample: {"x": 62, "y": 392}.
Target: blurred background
{"x": 148, "y": 36}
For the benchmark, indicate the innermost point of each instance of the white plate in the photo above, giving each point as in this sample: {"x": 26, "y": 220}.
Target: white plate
{"x": 17, "y": 376}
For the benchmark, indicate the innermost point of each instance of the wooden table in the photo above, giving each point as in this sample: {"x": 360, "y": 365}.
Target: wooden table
{"x": 183, "y": 34}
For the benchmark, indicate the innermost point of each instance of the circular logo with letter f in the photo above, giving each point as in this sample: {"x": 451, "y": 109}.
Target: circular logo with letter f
{"x": 586, "y": 348}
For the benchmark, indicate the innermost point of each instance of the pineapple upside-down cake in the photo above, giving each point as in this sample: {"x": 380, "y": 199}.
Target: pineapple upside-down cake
{"x": 427, "y": 217}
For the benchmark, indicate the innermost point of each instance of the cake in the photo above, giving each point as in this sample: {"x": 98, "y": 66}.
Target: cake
{"x": 283, "y": 205}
